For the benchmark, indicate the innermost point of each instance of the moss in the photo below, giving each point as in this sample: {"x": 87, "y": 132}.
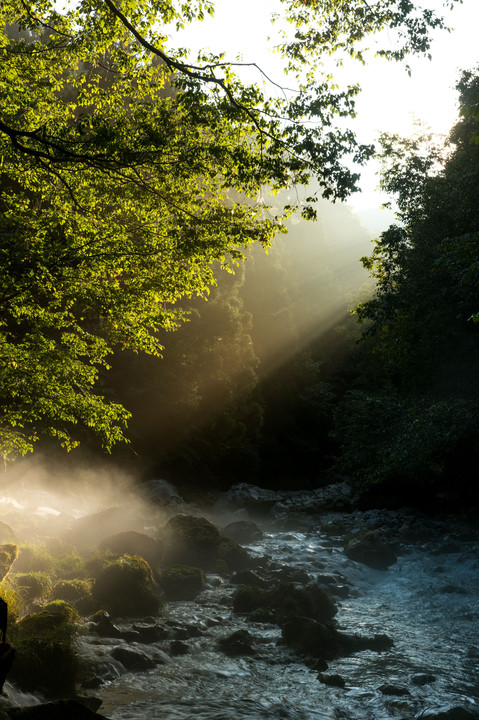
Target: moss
{"x": 8, "y": 555}
{"x": 182, "y": 582}
{"x": 70, "y": 566}
{"x": 125, "y": 587}
{"x": 13, "y": 599}
{"x": 72, "y": 590}
{"x": 46, "y": 660}
{"x": 32, "y": 585}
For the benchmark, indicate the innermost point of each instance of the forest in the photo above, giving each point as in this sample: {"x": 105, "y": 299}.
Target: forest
{"x": 162, "y": 286}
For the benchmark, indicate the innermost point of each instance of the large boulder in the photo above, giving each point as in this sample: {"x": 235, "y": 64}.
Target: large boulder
{"x": 182, "y": 582}
{"x": 134, "y": 543}
{"x": 46, "y": 660}
{"x": 243, "y": 531}
{"x": 190, "y": 540}
{"x": 126, "y": 588}
{"x": 286, "y": 601}
{"x": 369, "y": 549}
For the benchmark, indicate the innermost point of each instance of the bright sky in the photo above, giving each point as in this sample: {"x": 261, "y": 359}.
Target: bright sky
{"x": 390, "y": 99}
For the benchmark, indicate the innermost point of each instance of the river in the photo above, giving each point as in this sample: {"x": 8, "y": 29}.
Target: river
{"x": 427, "y": 602}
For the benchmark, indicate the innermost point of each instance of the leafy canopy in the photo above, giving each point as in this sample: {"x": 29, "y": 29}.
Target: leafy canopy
{"x": 126, "y": 171}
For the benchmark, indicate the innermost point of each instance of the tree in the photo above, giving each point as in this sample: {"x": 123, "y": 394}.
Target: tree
{"x": 417, "y": 408}
{"x": 127, "y": 171}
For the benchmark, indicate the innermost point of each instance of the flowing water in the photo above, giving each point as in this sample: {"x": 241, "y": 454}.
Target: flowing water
{"x": 427, "y": 603}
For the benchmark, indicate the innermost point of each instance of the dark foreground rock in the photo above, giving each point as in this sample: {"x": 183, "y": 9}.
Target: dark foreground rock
{"x": 369, "y": 549}
{"x": 58, "y": 710}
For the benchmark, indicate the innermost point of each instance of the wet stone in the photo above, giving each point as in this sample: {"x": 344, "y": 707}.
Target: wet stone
{"x": 132, "y": 659}
{"x": 445, "y": 713}
{"x": 332, "y": 680}
{"x": 237, "y": 644}
{"x": 249, "y": 577}
{"x": 178, "y": 647}
{"x": 396, "y": 690}
{"x": 423, "y": 679}
{"x": 243, "y": 531}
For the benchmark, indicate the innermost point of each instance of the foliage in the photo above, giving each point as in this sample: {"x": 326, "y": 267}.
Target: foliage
{"x": 32, "y": 585}
{"x": 71, "y": 590}
{"x": 417, "y": 407}
{"x": 388, "y": 438}
{"x": 126, "y": 170}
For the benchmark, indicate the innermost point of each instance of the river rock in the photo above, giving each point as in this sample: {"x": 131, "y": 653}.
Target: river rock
{"x": 132, "y": 658}
{"x": 332, "y": 680}
{"x": 445, "y": 713}
{"x": 309, "y": 637}
{"x": 178, "y": 647}
{"x": 369, "y": 549}
{"x": 182, "y": 582}
{"x": 162, "y": 493}
{"x": 251, "y": 578}
{"x": 243, "y": 531}
{"x": 190, "y": 540}
{"x": 237, "y": 644}
{"x": 287, "y": 600}
{"x": 103, "y": 625}
{"x": 396, "y": 690}
{"x": 423, "y": 679}
{"x": 134, "y": 543}
{"x": 126, "y": 588}
{"x": 231, "y": 553}
{"x": 58, "y": 710}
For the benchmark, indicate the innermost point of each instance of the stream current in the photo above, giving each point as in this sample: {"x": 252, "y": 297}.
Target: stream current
{"x": 427, "y": 602}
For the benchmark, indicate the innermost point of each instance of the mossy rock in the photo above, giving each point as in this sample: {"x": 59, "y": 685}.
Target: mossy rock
{"x": 6, "y": 534}
{"x": 72, "y": 590}
{"x": 190, "y": 540}
{"x": 46, "y": 660}
{"x": 182, "y": 582}
{"x": 134, "y": 543}
{"x": 8, "y": 555}
{"x": 32, "y": 585}
{"x": 126, "y": 588}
